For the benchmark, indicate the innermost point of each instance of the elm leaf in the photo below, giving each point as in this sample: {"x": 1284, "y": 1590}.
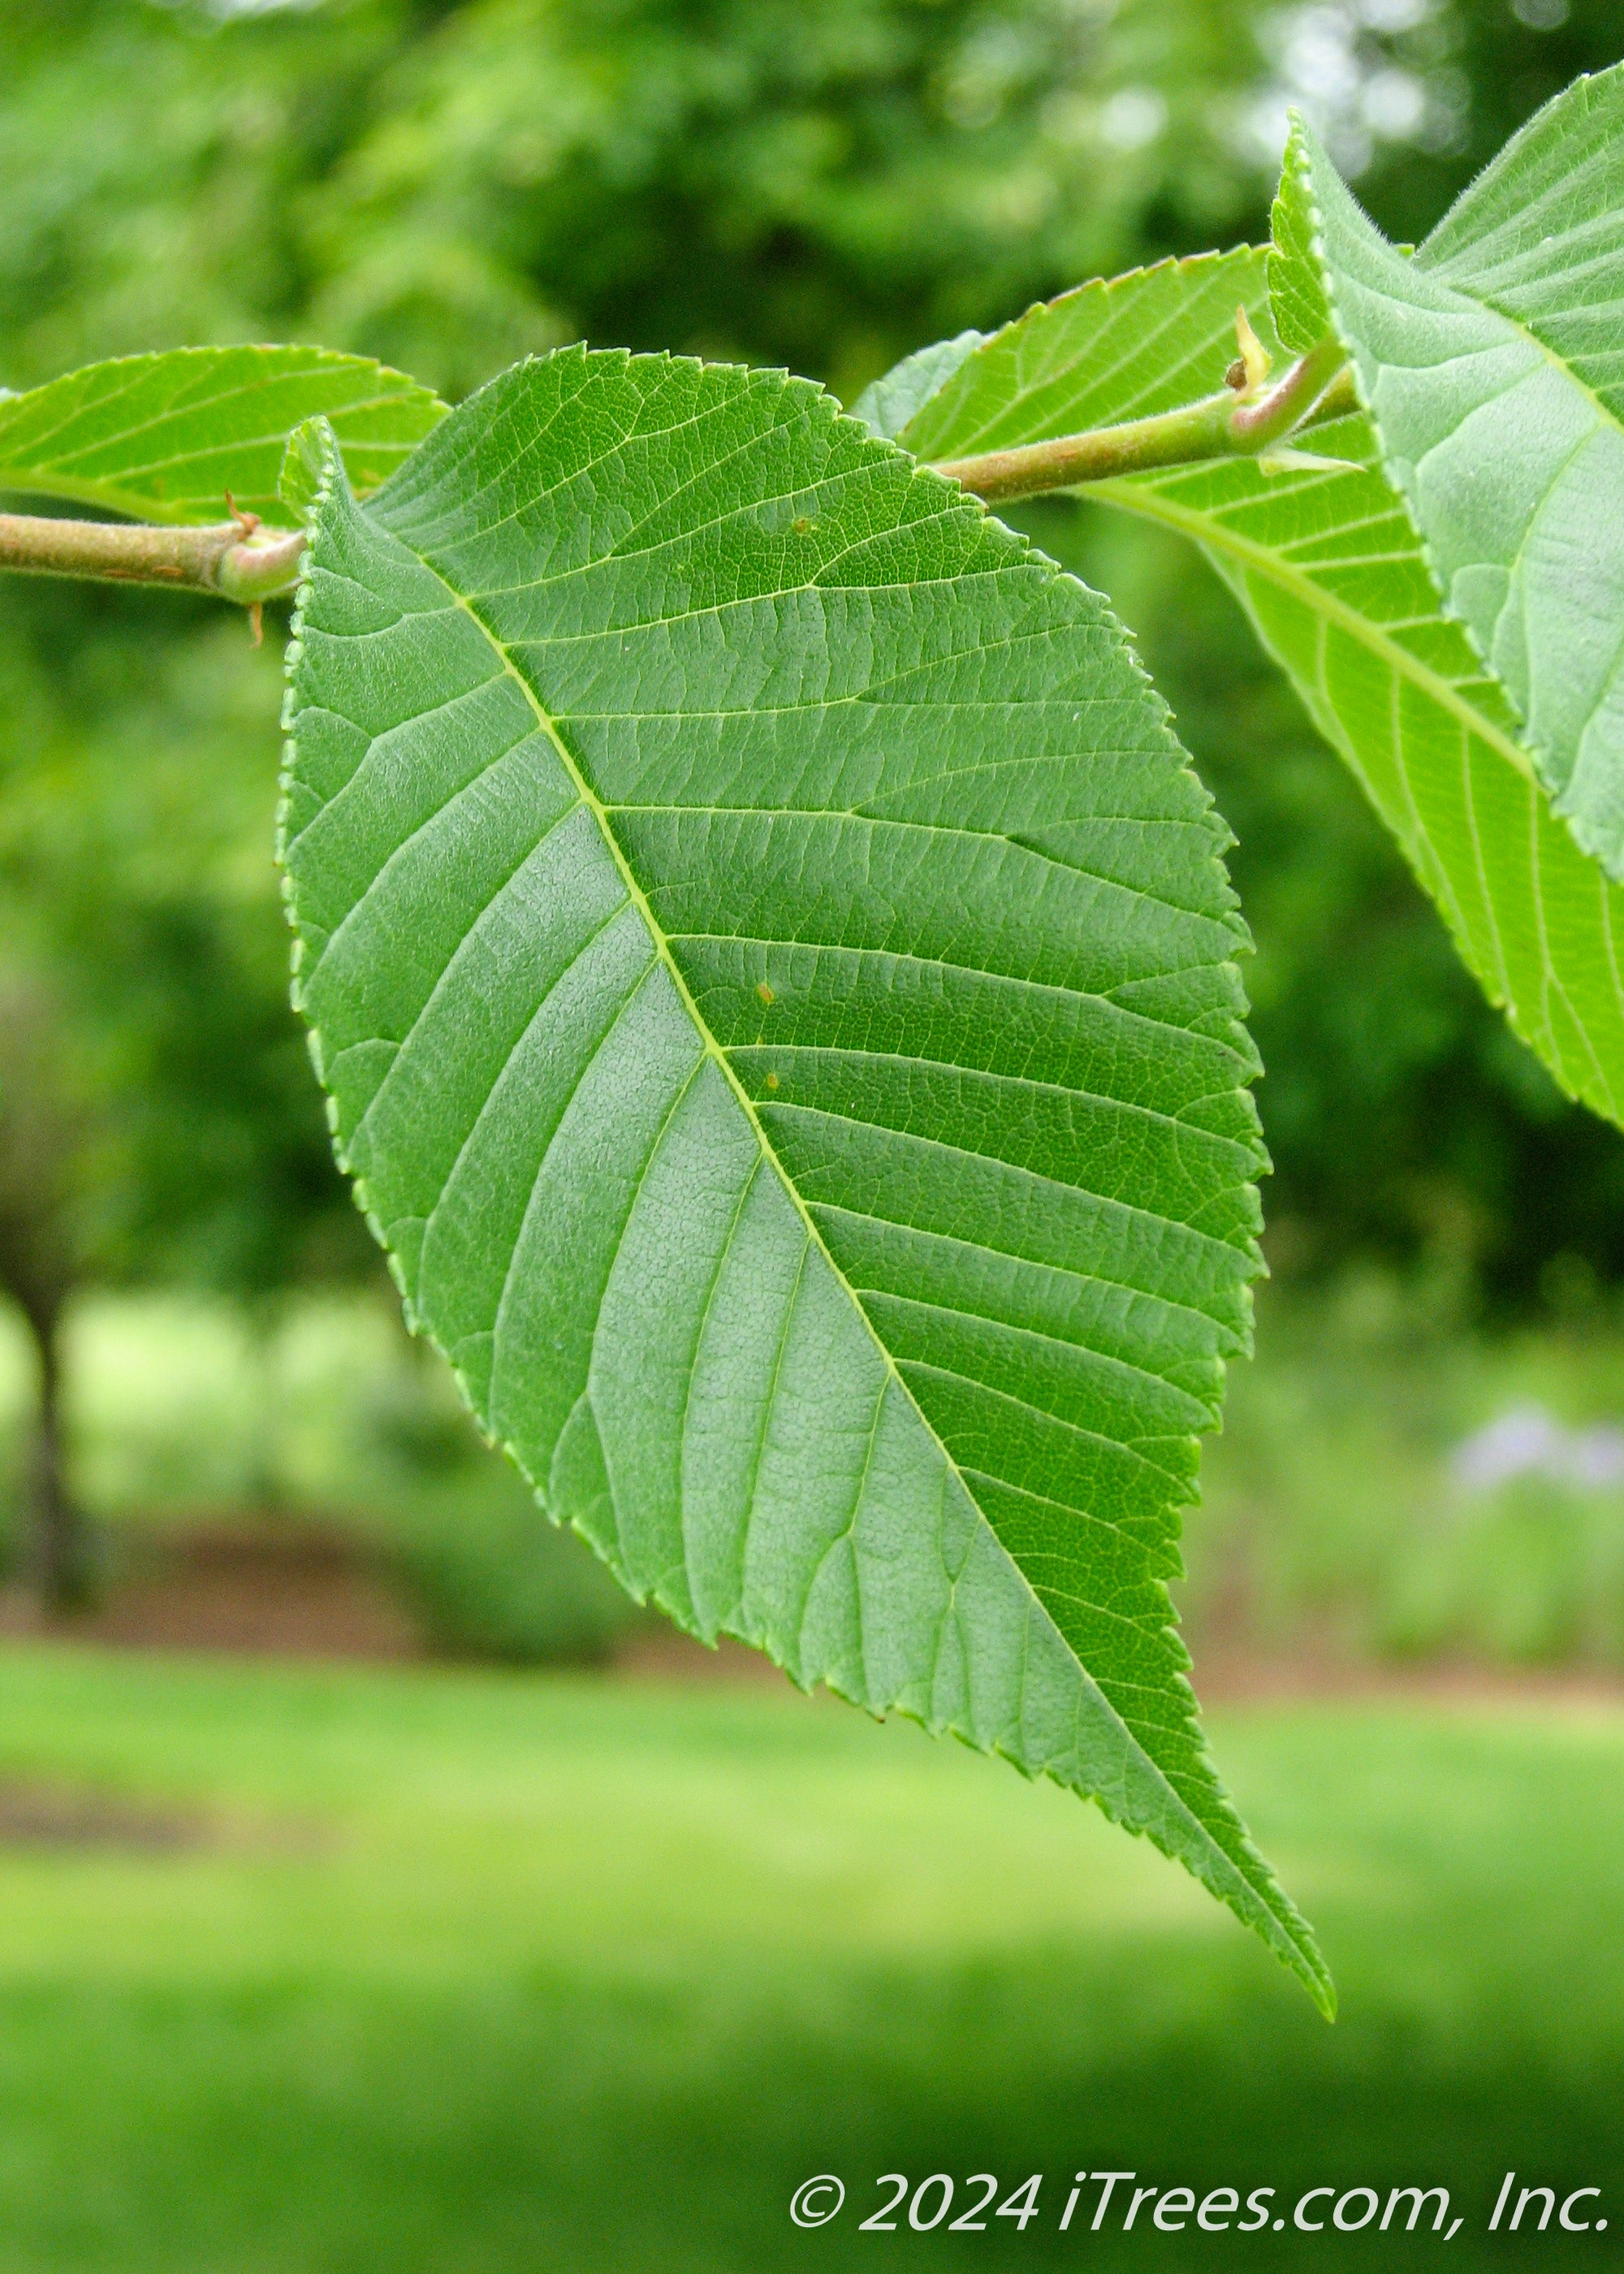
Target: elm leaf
{"x": 164, "y": 438}
{"x": 773, "y": 971}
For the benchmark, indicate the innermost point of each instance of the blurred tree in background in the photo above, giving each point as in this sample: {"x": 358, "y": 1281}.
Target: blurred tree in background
{"x": 155, "y": 1111}
{"x": 820, "y": 183}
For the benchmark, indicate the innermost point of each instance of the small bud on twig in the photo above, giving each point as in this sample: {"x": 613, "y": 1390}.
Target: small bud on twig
{"x": 1253, "y": 360}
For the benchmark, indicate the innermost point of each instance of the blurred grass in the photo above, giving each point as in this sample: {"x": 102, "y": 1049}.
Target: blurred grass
{"x": 485, "y": 1971}
{"x": 1332, "y": 1523}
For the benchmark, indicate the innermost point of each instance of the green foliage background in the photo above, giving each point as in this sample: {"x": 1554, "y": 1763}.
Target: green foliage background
{"x": 823, "y": 187}
{"x": 826, "y": 186}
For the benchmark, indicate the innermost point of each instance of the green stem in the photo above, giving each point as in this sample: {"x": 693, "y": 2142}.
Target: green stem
{"x": 240, "y": 562}
{"x": 1319, "y": 386}
{"x": 231, "y": 558}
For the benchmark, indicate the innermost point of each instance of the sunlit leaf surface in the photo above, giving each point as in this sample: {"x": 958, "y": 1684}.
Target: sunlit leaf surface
{"x": 773, "y": 967}
{"x": 166, "y": 437}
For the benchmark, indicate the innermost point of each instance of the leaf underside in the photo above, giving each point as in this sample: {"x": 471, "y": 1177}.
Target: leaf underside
{"x": 165, "y": 437}
{"x": 1492, "y": 364}
{"x": 772, "y": 969}
{"x": 1331, "y": 572}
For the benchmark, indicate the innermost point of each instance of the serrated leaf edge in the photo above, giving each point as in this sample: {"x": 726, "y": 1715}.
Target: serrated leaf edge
{"x": 1260, "y": 1903}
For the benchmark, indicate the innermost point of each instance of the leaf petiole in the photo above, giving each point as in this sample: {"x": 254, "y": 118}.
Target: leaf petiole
{"x": 1318, "y": 386}
{"x": 248, "y": 567}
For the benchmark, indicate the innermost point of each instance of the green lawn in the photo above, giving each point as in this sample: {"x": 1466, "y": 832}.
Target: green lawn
{"x": 482, "y": 1971}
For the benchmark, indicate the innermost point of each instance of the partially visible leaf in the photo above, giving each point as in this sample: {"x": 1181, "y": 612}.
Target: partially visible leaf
{"x": 1297, "y": 299}
{"x": 1105, "y": 353}
{"x": 1331, "y": 574}
{"x": 1539, "y": 235}
{"x": 164, "y": 437}
{"x": 303, "y": 467}
{"x": 886, "y": 406}
{"x": 1511, "y": 456}
{"x": 773, "y": 971}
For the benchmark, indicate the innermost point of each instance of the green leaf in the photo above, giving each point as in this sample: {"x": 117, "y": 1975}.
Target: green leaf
{"x": 1492, "y": 364}
{"x": 1539, "y": 235}
{"x": 773, "y": 971}
{"x": 886, "y": 407}
{"x": 1298, "y": 297}
{"x": 1328, "y": 567}
{"x": 164, "y": 437}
